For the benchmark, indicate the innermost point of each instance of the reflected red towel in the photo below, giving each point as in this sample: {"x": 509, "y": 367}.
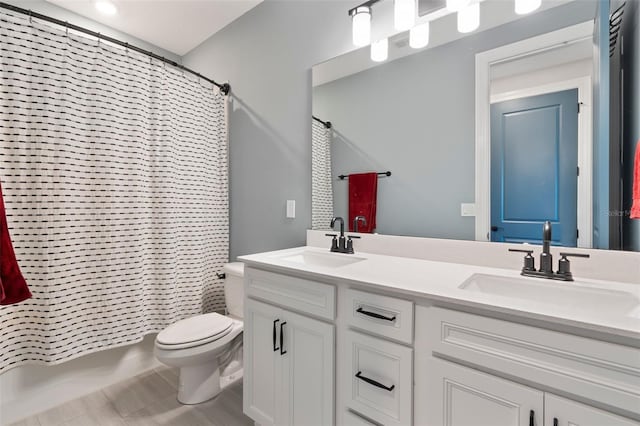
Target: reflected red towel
{"x": 635, "y": 207}
{"x": 363, "y": 195}
{"x": 13, "y": 287}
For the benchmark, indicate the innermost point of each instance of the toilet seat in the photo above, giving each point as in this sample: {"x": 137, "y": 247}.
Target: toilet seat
{"x": 195, "y": 331}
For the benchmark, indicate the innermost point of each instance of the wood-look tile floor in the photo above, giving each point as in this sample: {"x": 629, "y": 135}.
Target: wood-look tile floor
{"x": 145, "y": 400}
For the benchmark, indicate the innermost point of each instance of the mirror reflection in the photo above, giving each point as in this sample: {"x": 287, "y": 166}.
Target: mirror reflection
{"x": 419, "y": 116}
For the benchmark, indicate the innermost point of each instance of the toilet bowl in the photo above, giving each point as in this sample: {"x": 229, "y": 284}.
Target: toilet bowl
{"x": 207, "y": 348}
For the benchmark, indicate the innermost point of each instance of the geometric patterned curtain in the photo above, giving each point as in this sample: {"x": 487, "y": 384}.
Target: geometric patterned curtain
{"x": 321, "y": 177}
{"x": 115, "y": 178}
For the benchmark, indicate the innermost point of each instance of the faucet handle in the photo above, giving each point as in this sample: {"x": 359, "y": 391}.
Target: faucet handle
{"x": 349, "y": 247}
{"x": 334, "y": 241}
{"x": 564, "y": 266}
{"x": 529, "y": 261}
{"x": 575, "y": 255}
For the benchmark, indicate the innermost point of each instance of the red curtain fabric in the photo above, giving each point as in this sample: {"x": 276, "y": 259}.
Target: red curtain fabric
{"x": 13, "y": 287}
{"x": 635, "y": 207}
{"x": 363, "y": 194}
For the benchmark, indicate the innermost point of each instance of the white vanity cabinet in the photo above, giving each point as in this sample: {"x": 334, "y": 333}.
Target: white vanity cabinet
{"x": 288, "y": 364}
{"x": 321, "y": 349}
{"x": 449, "y": 392}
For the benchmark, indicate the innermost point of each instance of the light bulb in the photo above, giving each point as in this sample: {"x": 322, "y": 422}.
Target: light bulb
{"x": 419, "y": 35}
{"x": 456, "y": 5}
{"x": 106, "y": 7}
{"x": 527, "y": 6}
{"x": 469, "y": 18}
{"x": 361, "y": 26}
{"x": 380, "y": 50}
{"x": 404, "y": 14}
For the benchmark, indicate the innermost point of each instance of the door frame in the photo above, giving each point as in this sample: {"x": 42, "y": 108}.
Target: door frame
{"x": 531, "y": 46}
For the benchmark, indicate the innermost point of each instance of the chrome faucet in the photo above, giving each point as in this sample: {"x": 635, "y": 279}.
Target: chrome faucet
{"x": 546, "y": 260}
{"x": 342, "y": 244}
{"x": 359, "y": 219}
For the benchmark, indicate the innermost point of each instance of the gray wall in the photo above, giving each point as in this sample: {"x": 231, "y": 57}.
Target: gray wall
{"x": 415, "y": 117}
{"x": 54, "y": 11}
{"x": 267, "y": 56}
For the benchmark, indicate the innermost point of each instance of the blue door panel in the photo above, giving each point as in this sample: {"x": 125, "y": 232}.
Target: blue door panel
{"x": 530, "y": 163}
{"x": 534, "y": 160}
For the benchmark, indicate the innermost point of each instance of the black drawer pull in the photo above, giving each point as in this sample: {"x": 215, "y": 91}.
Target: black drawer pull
{"x": 374, "y": 315}
{"x": 275, "y": 348}
{"x": 374, "y": 383}
{"x": 282, "y": 351}
{"x": 532, "y": 417}
{"x": 555, "y": 421}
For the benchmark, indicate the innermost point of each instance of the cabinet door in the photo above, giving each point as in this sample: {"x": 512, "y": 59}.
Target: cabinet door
{"x": 461, "y": 396}
{"x": 307, "y": 371}
{"x": 564, "y": 412}
{"x": 261, "y": 362}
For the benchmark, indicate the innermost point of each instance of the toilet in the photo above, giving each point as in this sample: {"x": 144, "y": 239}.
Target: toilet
{"x": 207, "y": 348}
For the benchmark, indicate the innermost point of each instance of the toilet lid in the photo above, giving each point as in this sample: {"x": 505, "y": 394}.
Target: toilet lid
{"x": 195, "y": 329}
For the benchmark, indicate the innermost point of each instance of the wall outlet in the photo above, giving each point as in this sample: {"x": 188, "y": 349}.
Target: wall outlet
{"x": 467, "y": 209}
{"x": 291, "y": 209}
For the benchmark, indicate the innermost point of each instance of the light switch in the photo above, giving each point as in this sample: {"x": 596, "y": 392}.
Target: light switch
{"x": 291, "y": 209}
{"x": 467, "y": 209}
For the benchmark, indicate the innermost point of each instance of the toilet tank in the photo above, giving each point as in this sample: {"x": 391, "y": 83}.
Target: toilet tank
{"x": 234, "y": 288}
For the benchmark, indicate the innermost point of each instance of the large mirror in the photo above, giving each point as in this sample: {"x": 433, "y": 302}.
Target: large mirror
{"x": 484, "y": 130}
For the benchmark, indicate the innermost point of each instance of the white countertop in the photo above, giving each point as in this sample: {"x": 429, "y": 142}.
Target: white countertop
{"x": 440, "y": 281}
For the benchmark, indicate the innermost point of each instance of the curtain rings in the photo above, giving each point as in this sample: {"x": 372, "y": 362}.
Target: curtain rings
{"x": 66, "y": 28}
{"x": 30, "y": 18}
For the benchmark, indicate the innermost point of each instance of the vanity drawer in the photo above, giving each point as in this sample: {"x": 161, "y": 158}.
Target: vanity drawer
{"x": 382, "y": 315}
{"x": 596, "y": 370}
{"x": 379, "y": 379}
{"x": 306, "y": 296}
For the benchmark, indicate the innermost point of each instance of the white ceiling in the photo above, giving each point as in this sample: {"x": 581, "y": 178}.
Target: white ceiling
{"x": 174, "y": 25}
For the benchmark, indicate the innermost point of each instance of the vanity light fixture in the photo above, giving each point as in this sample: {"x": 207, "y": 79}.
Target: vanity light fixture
{"x": 380, "y": 50}
{"x": 404, "y": 14}
{"x": 469, "y": 18}
{"x": 106, "y": 7}
{"x": 457, "y": 5}
{"x": 526, "y": 6}
{"x": 419, "y": 35}
{"x": 361, "y": 25}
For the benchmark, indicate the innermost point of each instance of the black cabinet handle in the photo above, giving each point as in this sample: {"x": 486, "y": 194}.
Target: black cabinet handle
{"x": 532, "y": 418}
{"x": 275, "y": 348}
{"x": 555, "y": 421}
{"x": 374, "y": 315}
{"x": 374, "y": 383}
{"x": 282, "y": 351}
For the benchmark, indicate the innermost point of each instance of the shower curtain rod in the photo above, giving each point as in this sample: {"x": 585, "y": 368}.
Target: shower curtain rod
{"x": 225, "y": 88}
{"x": 327, "y": 124}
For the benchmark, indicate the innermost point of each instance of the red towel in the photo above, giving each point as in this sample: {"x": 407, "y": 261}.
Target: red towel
{"x": 363, "y": 195}
{"x": 635, "y": 207}
{"x": 13, "y": 287}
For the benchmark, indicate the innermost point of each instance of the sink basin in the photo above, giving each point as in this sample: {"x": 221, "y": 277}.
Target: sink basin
{"x": 560, "y": 293}
{"x": 327, "y": 260}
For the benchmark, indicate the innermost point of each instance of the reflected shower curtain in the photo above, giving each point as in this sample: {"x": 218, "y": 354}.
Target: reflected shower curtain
{"x": 114, "y": 171}
{"x": 321, "y": 181}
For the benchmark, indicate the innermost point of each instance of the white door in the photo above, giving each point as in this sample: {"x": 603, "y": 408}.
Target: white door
{"x": 261, "y": 362}
{"x": 461, "y": 396}
{"x": 564, "y": 412}
{"x": 307, "y": 371}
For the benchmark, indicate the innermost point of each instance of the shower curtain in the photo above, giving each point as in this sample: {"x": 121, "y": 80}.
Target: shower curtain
{"x": 321, "y": 181}
{"x": 114, "y": 171}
